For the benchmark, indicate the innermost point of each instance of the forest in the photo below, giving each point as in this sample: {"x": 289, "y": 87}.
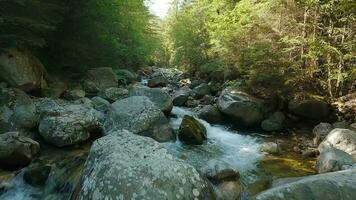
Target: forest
{"x": 177, "y": 99}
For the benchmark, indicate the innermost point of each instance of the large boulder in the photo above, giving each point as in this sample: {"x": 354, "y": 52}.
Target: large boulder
{"x": 201, "y": 90}
{"x": 309, "y": 109}
{"x": 211, "y": 114}
{"x": 65, "y": 124}
{"x": 321, "y": 131}
{"x": 191, "y": 131}
{"x": 125, "y": 166}
{"x": 329, "y": 186}
{"x": 241, "y": 107}
{"x": 139, "y": 115}
{"x": 22, "y": 70}
{"x": 73, "y": 95}
{"x": 113, "y": 94}
{"x": 100, "y": 104}
{"x": 99, "y": 79}
{"x": 157, "y": 81}
{"x": 181, "y": 96}
{"x": 342, "y": 139}
{"x": 275, "y": 122}
{"x": 16, "y": 151}
{"x": 331, "y": 160}
{"x": 159, "y": 97}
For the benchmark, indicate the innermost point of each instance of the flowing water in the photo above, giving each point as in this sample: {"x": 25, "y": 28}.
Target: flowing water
{"x": 19, "y": 190}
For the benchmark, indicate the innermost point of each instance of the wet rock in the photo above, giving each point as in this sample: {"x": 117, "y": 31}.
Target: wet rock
{"x": 160, "y": 98}
{"x": 201, "y": 90}
{"x": 22, "y": 70}
{"x": 216, "y": 170}
{"x": 283, "y": 181}
{"x": 140, "y": 116}
{"x": 275, "y": 122}
{"x": 126, "y": 77}
{"x": 37, "y": 175}
{"x": 321, "y": 131}
{"x": 353, "y": 127}
{"x": 65, "y": 124}
{"x": 73, "y": 95}
{"x": 17, "y": 151}
{"x": 331, "y": 160}
{"x": 100, "y": 104}
{"x": 195, "y": 83}
{"x": 99, "y": 79}
{"x": 120, "y": 163}
{"x": 157, "y": 81}
{"x": 56, "y": 88}
{"x": 211, "y": 114}
{"x": 208, "y": 100}
{"x": 5, "y": 115}
{"x": 310, "y": 109}
{"x": 181, "y": 96}
{"x": 192, "y": 103}
{"x": 114, "y": 94}
{"x": 191, "y": 131}
{"x": 230, "y": 190}
{"x": 342, "y": 139}
{"x": 342, "y": 124}
{"x": 241, "y": 107}
{"x": 329, "y": 186}
{"x": 270, "y": 147}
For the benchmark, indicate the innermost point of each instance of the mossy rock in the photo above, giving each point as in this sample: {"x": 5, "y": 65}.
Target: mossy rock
{"x": 191, "y": 131}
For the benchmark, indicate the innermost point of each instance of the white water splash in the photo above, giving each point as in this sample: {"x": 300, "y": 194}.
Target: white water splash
{"x": 240, "y": 151}
{"x": 19, "y": 190}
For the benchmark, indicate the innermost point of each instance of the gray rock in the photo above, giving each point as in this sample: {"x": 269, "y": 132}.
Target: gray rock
{"x": 139, "y": 115}
{"x": 126, "y": 77}
{"x": 157, "y": 81}
{"x": 342, "y": 139}
{"x": 211, "y": 114}
{"x": 329, "y": 186}
{"x": 65, "y": 124}
{"x": 160, "y": 98}
{"x": 230, "y": 190}
{"x": 5, "y": 115}
{"x": 181, "y": 96}
{"x": 283, "y": 181}
{"x": 114, "y": 94}
{"x": 342, "y": 124}
{"x": 100, "y": 104}
{"x": 201, "y": 90}
{"x": 22, "y": 70}
{"x": 321, "y": 131}
{"x": 353, "y": 127}
{"x": 216, "y": 170}
{"x": 310, "y": 109}
{"x": 241, "y": 107}
{"x": 331, "y": 160}
{"x": 275, "y": 122}
{"x": 73, "y": 95}
{"x": 123, "y": 165}
{"x": 24, "y": 116}
{"x": 99, "y": 79}
{"x": 17, "y": 151}
{"x": 270, "y": 147}
{"x": 191, "y": 131}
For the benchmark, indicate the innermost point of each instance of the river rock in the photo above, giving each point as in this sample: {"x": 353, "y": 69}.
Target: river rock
{"x": 341, "y": 124}
{"x": 139, "y": 115}
{"x": 17, "y": 151}
{"x": 181, "y": 96}
{"x": 201, "y": 90}
{"x": 126, "y": 77}
{"x": 270, "y": 147}
{"x": 123, "y": 165}
{"x": 22, "y": 70}
{"x": 114, "y": 94}
{"x": 321, "y": 131}
{"x": 99, "y": 79}
{"x": 100, "y": 104}
{"x": 37, "y": 175}
{"x": 275, "y": 122}
{"x": 191, "y": 131}
{"x": 332, "y": 159}
{"x": 159, "y": 97}
{"x": 328, "y": 186}
{"x": 230, "y": 190}
{"x": 309, "y": 109}
{"x": 342, "y": 139}
{"x": 211, "y": 114}
{"x": 65, "y": 124}
{"x": 73, "y": 95}
{"x": 217, "y": 170}
{"x": 5, "y": 115}
{"x": 157, "y": 81}
{"x": 241, "y": 107}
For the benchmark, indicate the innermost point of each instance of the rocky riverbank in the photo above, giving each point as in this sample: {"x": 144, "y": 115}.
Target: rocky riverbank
{"x": 166, "y": 136}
